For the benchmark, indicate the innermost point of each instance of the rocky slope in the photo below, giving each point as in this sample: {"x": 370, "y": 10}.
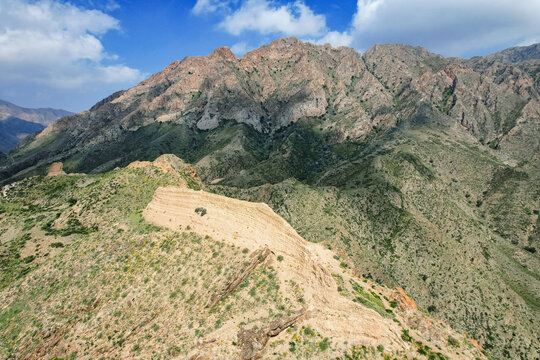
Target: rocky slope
{"x": 85, "y": 276}
{"x": 339, "y": 93}
{"x": 421, "y": 171}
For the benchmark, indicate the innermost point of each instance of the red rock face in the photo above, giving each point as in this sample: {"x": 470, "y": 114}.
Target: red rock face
{"x": 475, "y": 344}
{"x": 404, "y": 302}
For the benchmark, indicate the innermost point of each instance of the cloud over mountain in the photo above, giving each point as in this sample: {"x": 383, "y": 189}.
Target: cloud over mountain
{"x": 457, "y": 28}
{"x": 57, "y": 45}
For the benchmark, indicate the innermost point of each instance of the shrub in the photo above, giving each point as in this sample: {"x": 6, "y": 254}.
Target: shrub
{"x": 73, "y": 226}
{"x": 530, "y": 249}
{"x": 292, "y": 346}
{"x": 29, "y": 259}
{"x": 201, "y": 211}
{"x": 324, "y": 345}
{"x": 453, "y": 341}
{"x": 405, "y": 336}
{"x": 174, "y": 350}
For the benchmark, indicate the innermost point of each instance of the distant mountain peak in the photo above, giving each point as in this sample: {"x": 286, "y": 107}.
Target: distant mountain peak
{"x": 43, "y": 116}
{"x": 17, "y": 122}
{"x": 516, "y": 54}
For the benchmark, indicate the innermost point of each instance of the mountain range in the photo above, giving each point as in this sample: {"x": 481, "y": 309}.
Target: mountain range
{"x": 416, "y": 170}
{"x": 17, "y": 122}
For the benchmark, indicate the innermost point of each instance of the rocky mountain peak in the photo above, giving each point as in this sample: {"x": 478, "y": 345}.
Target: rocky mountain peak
{"x": 401, "y": 52}
{"x": 223, "y": 53}
{"x": 286, "y": 42}
{"x": 278, "y": 49}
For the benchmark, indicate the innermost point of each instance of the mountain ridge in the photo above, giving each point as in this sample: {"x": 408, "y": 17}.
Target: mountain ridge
{"x": 516, "y": 54}
{"x": 243, "y": 102}
{"x": 421, "y": 170}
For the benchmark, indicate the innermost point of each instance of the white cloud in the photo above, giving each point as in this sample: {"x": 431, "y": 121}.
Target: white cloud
{"x": 366, "y": 12}
{"x": 111, "y": 5}
{"x": 112, "y": 74}
{"x": 209, "y": 6}
{"x": 240, "y": 48}
{"x": 335, "y": 38}
{"x": 453, "y": 28}
{"x": 529, "y": 41}
{"x": 57, "y": 45}
{"x": 265, "y": 17}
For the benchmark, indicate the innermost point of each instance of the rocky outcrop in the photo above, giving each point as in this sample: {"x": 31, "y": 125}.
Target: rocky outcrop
{"x": 253, "y": 342}
{"x": 257, "y": 257}
{"x": 404, "y": 302}
{"x": 173, "y": 165}
{"x": 56, "y": 169}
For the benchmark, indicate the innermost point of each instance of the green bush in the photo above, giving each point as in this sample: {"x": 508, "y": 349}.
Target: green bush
{"x": 29, "y": 259}
{"x": 201, "y": 211}
{"x": 405, "y": 336}
{"x": 324, "y": 345}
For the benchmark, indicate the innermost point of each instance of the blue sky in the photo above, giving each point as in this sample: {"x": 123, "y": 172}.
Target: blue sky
{"x": 55, "y": 53}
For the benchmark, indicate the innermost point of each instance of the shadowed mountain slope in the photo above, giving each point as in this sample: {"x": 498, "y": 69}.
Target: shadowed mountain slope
{"x": 12, "y": 130}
